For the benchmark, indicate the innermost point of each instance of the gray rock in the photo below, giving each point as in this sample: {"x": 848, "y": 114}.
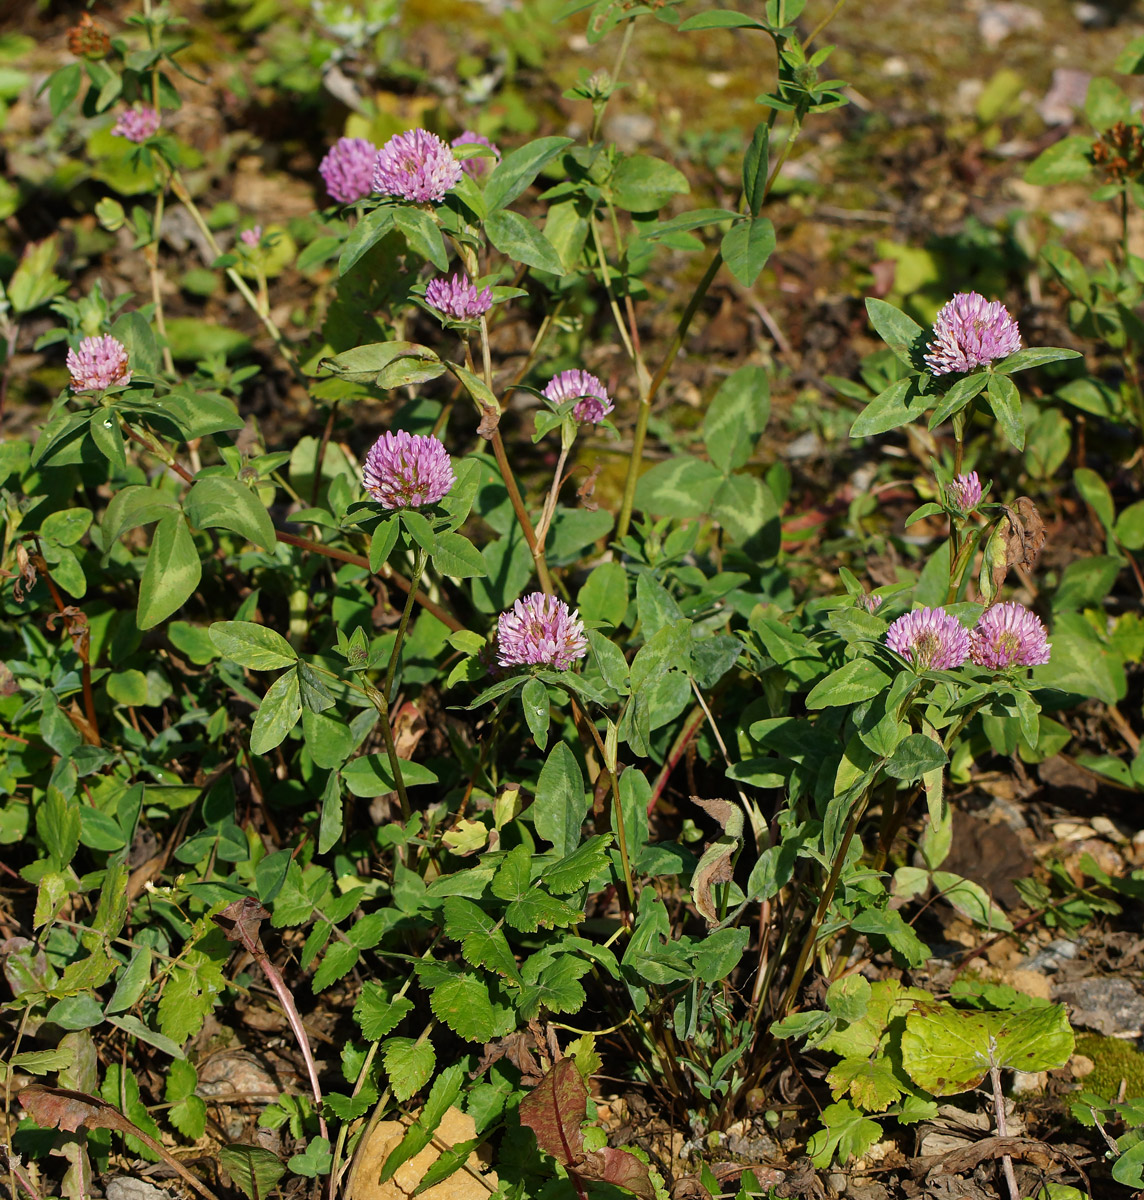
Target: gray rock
{"x": 1066, "y": 94}
{"x": 998, "y": 21}
{"x": 1053, "y": 956}
{"x": 1094, "y": 16}
{"x": 630, "y": 131}
{"x": 1109, "y": 1005}
{"x": 127, "y": 1187}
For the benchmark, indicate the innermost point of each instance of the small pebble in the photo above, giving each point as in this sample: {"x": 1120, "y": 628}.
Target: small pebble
{"x": 1093, "y": 16}
{"x": 998, "y": 21}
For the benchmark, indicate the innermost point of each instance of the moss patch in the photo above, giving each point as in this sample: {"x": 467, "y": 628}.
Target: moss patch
{"x": 1115, "y": 1060}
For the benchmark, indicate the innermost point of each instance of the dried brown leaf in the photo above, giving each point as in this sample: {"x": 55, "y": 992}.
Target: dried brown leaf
{"x": 1026, "y": 534}
{"x": 716, "y": 865}
{"x": 241, "y": 921}
{"x": 27, "y": 573}
{"x": 60, "y": 1108}
{"x": 517, "y": 1048}
{"x": 587, "y": 490}
{"x": 490, "y": 419}
{"x": 722, "y": 811}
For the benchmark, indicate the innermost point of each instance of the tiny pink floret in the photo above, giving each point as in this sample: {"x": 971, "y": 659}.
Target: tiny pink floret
{"x": 595, "y": 403}
{"x": 406, "y": 470}
{"x": 416, "y": 166}
{"x": 969, "y": 332}
{"x": 347, "y": 169}
{"x": 137, "y": 124}
{"x": 458, "y": 298}
{"x": 540, "y": 630}
{"x": 252, "y": 236}
{"x": 478, "y": 167}
{"x": 929, "y": 639}
{"x": 98, "y": 363}
{"x": 1009, "y": 635}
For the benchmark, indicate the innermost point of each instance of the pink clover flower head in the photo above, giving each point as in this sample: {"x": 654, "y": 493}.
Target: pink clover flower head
{"x": 477, "y": 168}
{"x": 458, "y": 298}
{"x": 870, "y": 602}
{"x": 416, "y": 166}
{"x": 929, "y": 639}
{"x": 1009, "y": 635}
{"x": 540, "y": 630}
{"x": 964, "y": 493}
{"x": 99, "y": 363}
{"x": 969, "y": 332}
{"x": 595, "y": 403}
{"x": 252, "y": 236}
{"x": 347, "y": 169}
{"x": 407, "y": 470}
{"x": 137, "y": 124}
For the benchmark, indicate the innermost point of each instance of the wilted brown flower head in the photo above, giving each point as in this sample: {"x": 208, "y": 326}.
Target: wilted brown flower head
{"x": 88, "y": 39}
{"x": 1119, "y": 151}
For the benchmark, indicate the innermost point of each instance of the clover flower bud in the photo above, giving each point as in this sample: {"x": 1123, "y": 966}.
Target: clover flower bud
{"x": 347, "y": 169}
{"x": 929, "y": 639}
{"x": 969, "y": 332}
{"x": 458, "y": 298}
{"x": 88, "y": 39}
{"x": 479, "y": 167}
{"x": 416, "y": 166}
{"x": 870, "y": 602}
{"x": 540, "y": 630}
{"x": 137, "y": 124}
{"x": 964, "y": 493}
{"x": 252, "y": 236}
{"x": 1009, "y": 635}
{"x": 405, "y": 470}
{"x": 98, "y": 363}
{"x": 595, "y": 403}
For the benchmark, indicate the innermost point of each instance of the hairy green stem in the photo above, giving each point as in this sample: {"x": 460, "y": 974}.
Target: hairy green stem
{"x": 268, "y": 323}
{"x": 644, "y": 414}
{"x": 535, "y": 546}
{"x": 617, "y": 67}
{"x": 375, "y": 1116}
{"x": 419, "y": 561}
{"x": 381, "y": 698}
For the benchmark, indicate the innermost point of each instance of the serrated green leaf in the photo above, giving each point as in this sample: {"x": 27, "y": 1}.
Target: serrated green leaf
{"x": 442, "y": 1095}
{"x": 376, "y": 1014}
{"x": 577, "y": 868}
{"x": 847, "y": 1133}
{"x": 483, "y": 942}
{"x": 463, "y": 1003}
{"x": 254, "y": 1169}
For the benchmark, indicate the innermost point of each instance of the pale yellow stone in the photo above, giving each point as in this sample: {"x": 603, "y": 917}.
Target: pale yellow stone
{"x": 455, "y": 1127}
